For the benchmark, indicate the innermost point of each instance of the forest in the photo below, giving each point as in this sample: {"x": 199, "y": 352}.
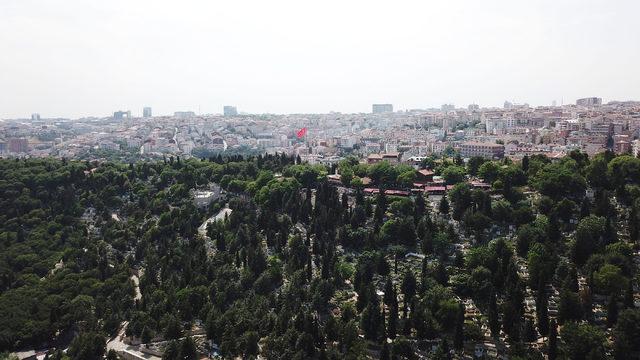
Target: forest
{"x": 540, "y": 264}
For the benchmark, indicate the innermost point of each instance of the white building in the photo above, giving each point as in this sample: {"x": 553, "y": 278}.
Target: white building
{"x": 203, "y": 198}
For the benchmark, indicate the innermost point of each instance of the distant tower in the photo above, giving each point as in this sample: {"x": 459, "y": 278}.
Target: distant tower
{"x": 230, "y": 110}
{"x": 120, "y": 115}
{"x": 591, "y": 101}
{"x": 381, "y": 108}
{"x": 35, "y": 117}
{"x": 554, "y": 103}
{"x": 146, "y": 112}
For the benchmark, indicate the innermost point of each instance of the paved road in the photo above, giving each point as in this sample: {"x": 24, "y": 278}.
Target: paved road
{"x": 118, "y": 345}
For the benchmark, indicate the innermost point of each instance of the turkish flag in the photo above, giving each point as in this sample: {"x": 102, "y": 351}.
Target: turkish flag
{"x": 302, "y": 132}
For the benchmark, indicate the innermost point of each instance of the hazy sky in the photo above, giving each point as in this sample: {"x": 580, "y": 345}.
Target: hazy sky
{"x": 73, "y": 58}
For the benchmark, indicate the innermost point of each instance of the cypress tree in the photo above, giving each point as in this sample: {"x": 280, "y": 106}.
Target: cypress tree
{"x": 553, "y": 341}
{"x": 458, "y": 339}
{"x": 392, "y": 326}
{"x": 612, "y": 311}
{"x": 494, "y": 323}
{"x": 542, "y": 310}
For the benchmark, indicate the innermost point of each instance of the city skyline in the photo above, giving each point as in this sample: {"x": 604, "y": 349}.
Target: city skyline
{"x": 76, "y": 59}
{"x": 139, "y": 112}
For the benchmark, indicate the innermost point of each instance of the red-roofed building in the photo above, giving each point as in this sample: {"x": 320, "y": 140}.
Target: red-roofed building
{"x": 425, "y": 175}
{"x": 397, "y": 193}
{"x": 435, "y": 190}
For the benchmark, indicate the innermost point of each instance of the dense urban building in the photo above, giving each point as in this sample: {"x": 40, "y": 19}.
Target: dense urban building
{"x": 485, "y": 150}
{"x": 519, "y": 129}
{"x": 18, "y": 145}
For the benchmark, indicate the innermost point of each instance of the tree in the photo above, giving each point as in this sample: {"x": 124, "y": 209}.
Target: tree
{"x": 569, "y": 308}
{"x": 587, "y": 304}
{"x": 626, "y": 333}
{"x": 623, "y": 170}
{"x": 542, "y": 310}
{"x": 384, "y": 353}
{"x": 473, "y": 165}
{"x": 146, "y": 336}
{"x": 406, "y": 179}
{"x": 173, "y": 330}
{"x": 426, "y": 243}
{"x": 112, "y": 355}
{"x": 525, "y": 163}
{"x": 588, "y": 238}
{"x": 494, "y": 323}
{"x": 541, "y": 264}
{"x": 609, "y": 280}
{"x": 565, "y": 209}
{"x": 629, "y": 301}
{"x": 596, "y": 172}
{"x": 489, "y": 171}
{"x": 511, "y": 320}
{"x": 453, "y": 174}
{"x": 408, "y": 289}
{"x": 188, "y": 349}
{"x": 552, "y": 353}
{"x": 579, "y": 340}
{"x": 612, "y": 311}
{"x": 476, "y": 223}
{"x": 399, "y": 231}
{"x": 420, "y": 207}
{"x": 87, "y": 346}
{"x": 558, "y": 180}
{"x": 371, "y": 320}
{"x": 171, "y": 351}
{"x": 460, "y": 196}
{"x": 390, "y": 296}
{"x": 392, "y": 324}
{"x": 458, "y": 339}
{"x": 529, "y": 330}
{"x": 381, "y": 207}
{"x": 443, "y": 207}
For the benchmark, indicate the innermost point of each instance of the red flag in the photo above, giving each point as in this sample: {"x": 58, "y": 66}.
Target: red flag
{"x": 302, "y": 132}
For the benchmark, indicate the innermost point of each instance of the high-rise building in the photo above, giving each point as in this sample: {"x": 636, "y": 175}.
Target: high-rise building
{"x": 119, "y": 115}
{"x": 35, "y": 117}
{"x": 448, "y": 107}
{"x": 590, "y": 101}
{"x": 230, "y": 110}
{"x": 184, "y": 114}
{"x": 473, "y": 107}
{"x": 381, "y": 108}
{"x": 18, "y": 145}
{"x": 146, "y": 112}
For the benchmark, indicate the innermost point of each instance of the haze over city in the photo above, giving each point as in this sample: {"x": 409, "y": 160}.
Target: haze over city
{"x": 88, "y": 58}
